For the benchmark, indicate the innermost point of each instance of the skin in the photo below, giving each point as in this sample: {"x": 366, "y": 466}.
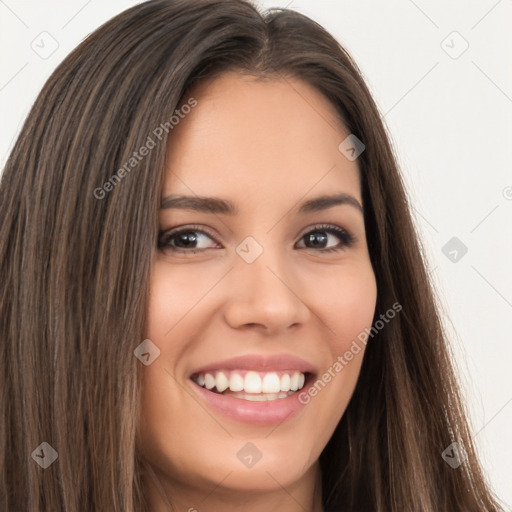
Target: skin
{"x": 266, "y": 146}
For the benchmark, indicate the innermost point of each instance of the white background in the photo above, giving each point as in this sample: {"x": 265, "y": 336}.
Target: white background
{"x": 450, "y": 122}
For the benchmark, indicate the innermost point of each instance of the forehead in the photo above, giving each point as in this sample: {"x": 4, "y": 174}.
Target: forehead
{"x": 277, "y": 135}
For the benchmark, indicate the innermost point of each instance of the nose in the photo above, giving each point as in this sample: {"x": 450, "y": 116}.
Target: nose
{"x": 264, "y": 295}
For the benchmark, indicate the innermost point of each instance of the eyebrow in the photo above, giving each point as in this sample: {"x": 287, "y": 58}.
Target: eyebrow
{"x": 216, "y": 205}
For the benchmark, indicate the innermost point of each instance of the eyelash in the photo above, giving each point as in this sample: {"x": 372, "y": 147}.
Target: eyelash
{"x": 346, "y": 239}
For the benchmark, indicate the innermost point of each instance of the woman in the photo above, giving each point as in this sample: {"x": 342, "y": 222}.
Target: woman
{"x": 212, "y": 292}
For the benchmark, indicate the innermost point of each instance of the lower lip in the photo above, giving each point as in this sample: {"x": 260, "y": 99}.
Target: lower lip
{"x": 268, "y": 412}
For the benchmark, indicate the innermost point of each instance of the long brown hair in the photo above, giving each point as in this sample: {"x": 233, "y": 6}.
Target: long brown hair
{"x": 75, "y": 265}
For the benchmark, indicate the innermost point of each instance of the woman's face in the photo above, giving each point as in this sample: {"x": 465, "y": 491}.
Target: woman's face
{"x": 260, "y": 286}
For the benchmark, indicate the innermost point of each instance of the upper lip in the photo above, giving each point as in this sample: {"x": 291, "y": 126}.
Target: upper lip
{"x": 259, "y": 362}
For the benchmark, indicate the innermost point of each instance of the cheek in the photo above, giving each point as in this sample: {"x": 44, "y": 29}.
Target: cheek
{"x": 355, "y": 308}
{"x": 172, "y": 293}
{"x": 160, "y": 393}
{"x": 345, "y": 302}
{"x": 168, "y": 431}
{"x": 176, "y": 297}
{"x": 346, "y": 305}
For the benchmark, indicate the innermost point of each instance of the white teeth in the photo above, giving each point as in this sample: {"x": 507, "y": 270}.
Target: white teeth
{"x": 261, "y": 397}
{"x": 209, "y": 381}
{"x": 255, "y": 383}
{"x": 271, "y": 383}
{"x": 236, "y": 382}
{"x": 221, "y": 382}
{"x": 294, "y": 382}
{"x": 252, "y": 383}
{"x": 285, "y": 382}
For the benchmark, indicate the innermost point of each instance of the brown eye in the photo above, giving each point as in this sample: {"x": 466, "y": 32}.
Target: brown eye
{"x": 189, "y": 239}
{"x": 324, "y": 238}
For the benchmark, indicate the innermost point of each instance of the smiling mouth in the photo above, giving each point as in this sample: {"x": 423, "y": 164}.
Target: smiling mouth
{"x": 252, "y": 385}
